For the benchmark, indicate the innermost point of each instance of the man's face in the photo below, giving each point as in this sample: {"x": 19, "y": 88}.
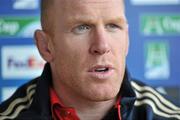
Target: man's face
{"x": 89, "y": 47}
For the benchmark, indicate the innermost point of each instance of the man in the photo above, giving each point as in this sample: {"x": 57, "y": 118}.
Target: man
{"x": 85, "y": 44}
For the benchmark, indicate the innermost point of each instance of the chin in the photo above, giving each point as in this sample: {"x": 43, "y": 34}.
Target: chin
{"x": 104, "y": 95}
{"x": 104, "y": 98}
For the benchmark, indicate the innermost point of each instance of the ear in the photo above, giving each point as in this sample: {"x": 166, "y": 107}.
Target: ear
{"x": 43, "y": 42}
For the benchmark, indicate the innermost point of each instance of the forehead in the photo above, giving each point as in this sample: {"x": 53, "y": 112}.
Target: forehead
{"x": 74, "y": 5}
{"x": 94, "y": 8}
{"x": 87, "y": 1}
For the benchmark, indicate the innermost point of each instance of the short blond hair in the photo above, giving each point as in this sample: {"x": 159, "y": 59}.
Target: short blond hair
{"x": 45, "y": 17}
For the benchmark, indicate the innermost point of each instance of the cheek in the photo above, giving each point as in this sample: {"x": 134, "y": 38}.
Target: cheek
{"x": 120, "y": 53}
{"x": 70, "y": 58}
{"x": 70, "y": 51}
{"x": 120, "y": 50}
{"x": 120, "y": 43}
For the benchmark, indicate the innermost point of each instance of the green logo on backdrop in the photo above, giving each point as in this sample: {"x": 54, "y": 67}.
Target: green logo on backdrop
{"x": 157, "y": 60}
{"x": 160, "y": 25}
{"x": 18, "y": 26}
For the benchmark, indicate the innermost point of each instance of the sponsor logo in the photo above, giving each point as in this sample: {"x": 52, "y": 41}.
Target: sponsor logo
{"x": 7, "y": 92}
{"x": 157, "y": 60}
{"x": 21, "y": 62}
{"x": 26, "y": 4}
{"x": 160, "y": 25}
{"x": 18, "y": 26}
{"x": 155, "y": 2}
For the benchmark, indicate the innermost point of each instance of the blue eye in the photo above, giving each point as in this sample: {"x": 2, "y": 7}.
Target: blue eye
{"x": 113, "y": 27}
{"x": 80, "y": 29}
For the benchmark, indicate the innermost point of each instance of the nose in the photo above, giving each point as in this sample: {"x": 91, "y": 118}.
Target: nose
{"x": 100, "y": 43}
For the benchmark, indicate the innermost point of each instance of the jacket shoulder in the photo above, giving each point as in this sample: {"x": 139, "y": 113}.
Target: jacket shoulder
{"x": 19, "y": 101}
{"x": 159, "y": 104}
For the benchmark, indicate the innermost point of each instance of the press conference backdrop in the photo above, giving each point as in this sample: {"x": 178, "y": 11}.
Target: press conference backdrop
{"x": 154, "y": 28}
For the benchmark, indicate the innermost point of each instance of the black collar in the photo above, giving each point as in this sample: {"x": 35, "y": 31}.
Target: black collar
{"x": 128, "y": 96}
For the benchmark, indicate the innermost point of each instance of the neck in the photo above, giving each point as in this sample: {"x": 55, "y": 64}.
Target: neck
{"x": 95, "y": 111}
{"x": 86, "y": 109}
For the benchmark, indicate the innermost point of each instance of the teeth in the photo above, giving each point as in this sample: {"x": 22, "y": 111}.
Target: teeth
{"x": 101, "y": 69}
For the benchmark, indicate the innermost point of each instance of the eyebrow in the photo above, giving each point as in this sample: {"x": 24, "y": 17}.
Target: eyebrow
{"x": 91, "y": 20}
{"x": 121, "y": 20}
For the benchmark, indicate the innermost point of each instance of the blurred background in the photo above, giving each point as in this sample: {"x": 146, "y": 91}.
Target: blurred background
{"x": 154, "y": 54}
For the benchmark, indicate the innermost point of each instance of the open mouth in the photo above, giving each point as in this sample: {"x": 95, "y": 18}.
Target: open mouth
{"x": 101, "y": 72}
{"x": 100, "y": 68}
{"x": 105, "y": 69}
